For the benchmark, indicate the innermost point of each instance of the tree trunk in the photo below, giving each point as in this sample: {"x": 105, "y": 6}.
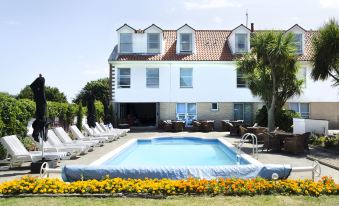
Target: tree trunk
{"x": 271, "y": 109}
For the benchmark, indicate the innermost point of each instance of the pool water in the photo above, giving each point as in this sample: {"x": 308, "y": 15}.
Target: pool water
{"x": 175, "y": 152}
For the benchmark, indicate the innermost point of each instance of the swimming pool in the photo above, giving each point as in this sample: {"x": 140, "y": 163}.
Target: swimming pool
{"x": 175, "y": 152}
{"x": 174, "y": 158}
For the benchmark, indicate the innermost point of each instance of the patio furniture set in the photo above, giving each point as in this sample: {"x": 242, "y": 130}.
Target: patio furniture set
{"x": 179, "y": 125}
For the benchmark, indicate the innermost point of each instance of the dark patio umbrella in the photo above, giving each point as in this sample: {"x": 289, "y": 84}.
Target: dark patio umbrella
{"x": 91, "y": 112}
{"x": 39, "y": 125}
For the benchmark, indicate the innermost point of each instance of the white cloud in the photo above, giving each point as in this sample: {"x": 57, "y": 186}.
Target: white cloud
{"x": 329, "y": 3}
{"x": 218, "y": 20}
{"x": 96, "y": 72}
{"x": 209, "y": 4}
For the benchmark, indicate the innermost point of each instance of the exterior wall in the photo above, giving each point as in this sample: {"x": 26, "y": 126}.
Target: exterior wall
{"x": 326, "y": 110}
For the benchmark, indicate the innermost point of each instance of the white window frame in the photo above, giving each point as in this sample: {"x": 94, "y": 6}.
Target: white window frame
{"x": 124, "y": 76}
{"x": 147, "y": 77}
{"x": 304, "y": 115}
{"x": 130, "y": 44}
{"x": 217, "y": 109}
{"x": 191, "y": 86}
{"x": 153, "y": 51}
{"x": 299, "y": 43}
{"x": 238, "y": 76}
{"x": 237, "y": 50}
{"x": 190, "y": 50}
{"x": 186, "y": 115}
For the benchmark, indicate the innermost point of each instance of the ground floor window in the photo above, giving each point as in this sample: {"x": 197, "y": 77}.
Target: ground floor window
{"x": 302, "y": 108}
{"x": 186, "y": 112}
{"x": 214, "y": 106}
{"x": 243, "y": 111}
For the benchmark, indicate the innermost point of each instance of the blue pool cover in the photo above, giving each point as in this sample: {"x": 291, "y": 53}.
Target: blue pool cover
{"x": 80, "y": 172}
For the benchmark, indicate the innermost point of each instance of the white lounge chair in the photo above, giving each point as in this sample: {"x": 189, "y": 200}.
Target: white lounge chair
{"x": 66, "y": 139}
{"x": 78, "y": 135}
{"x": 55, "y": 141}
{"x": 111, "y": 128}
{"x": 94, "y": 132}
{"x": 108, "y": 131}
{"x": 18, "y": 154}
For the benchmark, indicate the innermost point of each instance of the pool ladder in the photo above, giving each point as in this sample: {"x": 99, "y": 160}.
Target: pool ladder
{"x": 254, "y": 143}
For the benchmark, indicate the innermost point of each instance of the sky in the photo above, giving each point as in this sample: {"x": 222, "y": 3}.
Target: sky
{"x": 69, "y": 41}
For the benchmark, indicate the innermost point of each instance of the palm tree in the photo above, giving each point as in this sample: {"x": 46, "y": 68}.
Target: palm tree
{"x": 326, "y": 52}
{"x": 270, "y": 69}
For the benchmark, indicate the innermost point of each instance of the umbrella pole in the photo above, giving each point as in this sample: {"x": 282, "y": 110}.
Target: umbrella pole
{"x": 42, "y": 145}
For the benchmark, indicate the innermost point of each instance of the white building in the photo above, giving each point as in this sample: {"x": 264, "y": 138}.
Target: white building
{"x": 191, "y": 74}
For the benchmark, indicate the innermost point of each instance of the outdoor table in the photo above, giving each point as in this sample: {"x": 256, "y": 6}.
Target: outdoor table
{"x": 256, "y": 130}
{"x": 280, "y": 138}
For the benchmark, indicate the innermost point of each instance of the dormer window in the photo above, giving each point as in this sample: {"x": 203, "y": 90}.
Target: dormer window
{"x": 153, "y": 43}
{"x": 186, "y": 42}
{"x": 240, "y": 43}
{"x": 298, "y": 42}
{"x": 126, "y": 44}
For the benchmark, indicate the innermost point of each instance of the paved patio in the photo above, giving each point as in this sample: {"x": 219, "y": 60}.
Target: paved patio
{"x": 264, "y": 157}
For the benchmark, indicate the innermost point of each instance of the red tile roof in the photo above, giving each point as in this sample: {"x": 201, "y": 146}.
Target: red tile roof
{"x": 211, "y": 45}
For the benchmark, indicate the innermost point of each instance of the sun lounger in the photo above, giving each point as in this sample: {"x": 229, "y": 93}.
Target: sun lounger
{"x": 95, "y": 132}
{"x": 78, "y": 135}
{"x": 55, "y": 141}
{"x": 18, "y": 154}
{"x": 65, "y": 138}
{"x": 111, "y": 128}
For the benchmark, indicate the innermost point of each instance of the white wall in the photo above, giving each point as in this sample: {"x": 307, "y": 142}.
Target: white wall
{"x": 212, "y": 82}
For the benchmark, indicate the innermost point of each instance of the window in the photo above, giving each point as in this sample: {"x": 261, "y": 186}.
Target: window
{"x": 186, "y": 78}
{"x": 153, "y": 43}
{"x": 152, "y": 77}
{"x": 124, "y": 78}
{"x": 302, "y": 108}
{"x": 186, "y": 112}
{"x": 215, "y": 106}
{"x": 185, "y": 42}
{"x": 298, "y": 41}
{"x": 126, "y": 45}
{"x": 302, "y": 76}
{"x": 241, "y": 80}
{"x": 240, "y": 43}
{"x": 243, "y": 111}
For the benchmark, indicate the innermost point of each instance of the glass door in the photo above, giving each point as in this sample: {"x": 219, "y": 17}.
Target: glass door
{"x": 186, "y": 112}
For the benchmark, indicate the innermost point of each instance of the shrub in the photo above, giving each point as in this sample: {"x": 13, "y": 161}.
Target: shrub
{"x": 283, "y": 118}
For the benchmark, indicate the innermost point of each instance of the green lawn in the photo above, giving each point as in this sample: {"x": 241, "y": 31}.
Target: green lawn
{"x": 178, "y": 200}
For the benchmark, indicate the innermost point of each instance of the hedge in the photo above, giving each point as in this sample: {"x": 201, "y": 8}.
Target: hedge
{"x": 228, "y": 186}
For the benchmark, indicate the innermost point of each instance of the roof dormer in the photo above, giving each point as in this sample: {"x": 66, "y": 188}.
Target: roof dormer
{"x": 239, "y": 39}
{"x": 125, "y": 39}
{"x": 185, "y": 40}
{"x": 299, "y": 37}
{"x": 155, "y": 39}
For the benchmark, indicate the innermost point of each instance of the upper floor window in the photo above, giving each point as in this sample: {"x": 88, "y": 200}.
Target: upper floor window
{"x": 124, "y": 77}
{"x": 240, "y": 43}
{"x": 298, "y": 41}
{"x": 302, "y": 108}
{"x": 186, "y": 78}
{"x": 152, "y": 77}
{"x": 302, "y": 75}
{"x": 185, "y": 42}
{"x": 241, "y": 80}
{"x": 153, "y": 43}
{"x": 126, "y": 44}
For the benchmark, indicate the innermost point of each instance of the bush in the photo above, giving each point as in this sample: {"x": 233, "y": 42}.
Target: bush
{"x": 283, "y": 118}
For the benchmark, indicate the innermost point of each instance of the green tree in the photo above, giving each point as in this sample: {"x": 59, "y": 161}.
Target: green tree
{"x": 325, "y": 56}
{"x": 100, "y": 89}
{"x": 80, "y": 116}
{"x": 53, "y": 94}
{"x": 270, "y": 69}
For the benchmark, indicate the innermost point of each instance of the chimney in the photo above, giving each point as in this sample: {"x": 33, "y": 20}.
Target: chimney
{"x": 252, "y": 27}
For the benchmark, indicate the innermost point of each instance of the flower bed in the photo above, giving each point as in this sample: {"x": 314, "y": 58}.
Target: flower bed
{"x": 228, "y": 186}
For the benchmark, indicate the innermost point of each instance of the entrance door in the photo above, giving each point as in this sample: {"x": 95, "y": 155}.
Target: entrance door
{"x": 243, "y": 111}
{"x": 186, "y": 112}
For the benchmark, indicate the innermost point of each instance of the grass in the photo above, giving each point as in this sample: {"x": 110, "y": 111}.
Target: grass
{"x": 175, "y": 200}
